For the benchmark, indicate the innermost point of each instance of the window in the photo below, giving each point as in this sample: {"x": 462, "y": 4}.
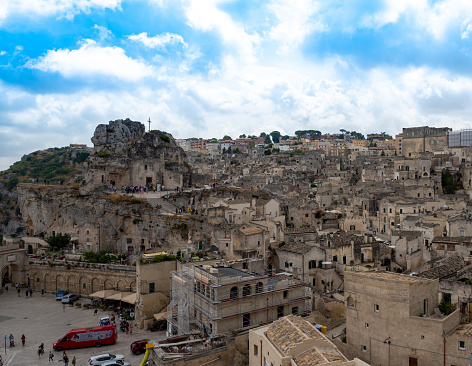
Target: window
{"x": 376, "y": 308}
{"x": 401, "y": 210}
{"x": 151, "y": 287}
{"x": 462, "y": 345}
{"x": 227, "y": 245}
{"x": 259, "y": 287}
{"x": 280, "y": 311}
{"x": 461, "y": 233}
{"x": 256, "y": 350}
{"x": 335, "y": 258}
{"x": 246, "y": 290}
{"x": 84, "y": 285}
{"x": 286, "y": 264}
{"x": 311, "y": 264}
{"x": 285, "y": 294}
{"x": 290, "y": 264}
{"x": 258, "y": 243}
{"x": 246, "y": 320}
{"x": 295, "y": 310}
{"x": 364, "y": 349}
{"x": 145, "y": 167}
{"x": 233, "y": 293}
{"x": 384, "y": 209}
{"x": 366, "y": 325}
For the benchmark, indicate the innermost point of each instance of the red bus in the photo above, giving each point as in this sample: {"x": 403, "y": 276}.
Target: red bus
{"x": 87, "y": 337}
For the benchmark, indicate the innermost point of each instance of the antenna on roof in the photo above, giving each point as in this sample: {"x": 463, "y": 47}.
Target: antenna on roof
{"x": 149, "y": 121}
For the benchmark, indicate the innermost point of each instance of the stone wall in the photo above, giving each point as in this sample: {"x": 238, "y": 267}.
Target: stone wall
{"x": 82, "y": 279}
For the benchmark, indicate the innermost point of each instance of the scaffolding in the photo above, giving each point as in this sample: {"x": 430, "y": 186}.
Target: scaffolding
{"x": 460, "y": 138}
{"x": 219, "y": 300}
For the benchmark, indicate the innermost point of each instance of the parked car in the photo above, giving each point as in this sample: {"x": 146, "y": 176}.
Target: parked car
{"x": 116, "y": 363}
{"x": 60, "y": 294}
{"x": 139, "y": 347}
{"x": 67, "y": 299}
{"x": 100, "y": 360}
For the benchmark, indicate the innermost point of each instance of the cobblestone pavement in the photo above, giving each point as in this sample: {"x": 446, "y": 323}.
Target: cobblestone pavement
{"x": 43, "y": 320}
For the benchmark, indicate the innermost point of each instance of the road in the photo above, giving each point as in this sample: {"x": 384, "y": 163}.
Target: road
{"x": 43, "y": 320}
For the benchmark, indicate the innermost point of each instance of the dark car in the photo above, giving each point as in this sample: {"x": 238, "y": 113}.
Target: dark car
{"x": 139, "y": 347}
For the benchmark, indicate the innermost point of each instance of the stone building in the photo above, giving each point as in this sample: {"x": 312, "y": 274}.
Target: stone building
{"x": 393, "y": 319}
{"x": 293, "y": 341}
{"x": 219, "y": 300}
{"x": 125, "y": 155}
{"x": 416, "y": 140}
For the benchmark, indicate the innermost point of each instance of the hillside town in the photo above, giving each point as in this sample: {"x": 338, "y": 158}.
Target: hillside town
{"x": 271, "y": 250}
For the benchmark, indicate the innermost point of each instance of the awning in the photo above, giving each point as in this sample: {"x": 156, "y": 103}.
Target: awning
{"x": 130, "y": 299}
{"x": 119, "y": 296}
{"x": 103, "y": 293}
{"x": 162, "y": 315}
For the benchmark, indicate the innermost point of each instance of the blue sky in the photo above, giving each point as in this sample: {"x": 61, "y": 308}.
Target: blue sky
{"x": 206, "y": 68}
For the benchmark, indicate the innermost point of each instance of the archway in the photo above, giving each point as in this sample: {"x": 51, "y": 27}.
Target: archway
{"x": 121, "y": 286}
{"x": 48, "y": 284}
{"x": 36, "y": 282}
{"x": 132, "y": 286}
{"x": 96, "y": 285}
{"x": 60, "y": 283}
{"x": 108, "y": 285}
{"x": 12, "y": 273}
{"x": 72, "y": 284}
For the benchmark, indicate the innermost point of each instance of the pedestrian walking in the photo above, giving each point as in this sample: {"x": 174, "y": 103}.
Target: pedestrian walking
{"x": 51, "y": 357}
{"x": 65, "y": 359}
{"x": 130, "y": 328}
{"x": 113, "y": 318}
{"x": 31, "y": 292}
{"x": 26, "y": 292}
{"x": 63, "y": 307}
{"x": 19, "y": 292}
{"x": 39, "y": 352}
{"x": 42, "y": 293}
{"x": 23, "y": 339}
{"x": 95, "y": 312}
{"x": 12, "y": 340}
{"x": 74, "y": 361}
{"x": 6, "y": 288}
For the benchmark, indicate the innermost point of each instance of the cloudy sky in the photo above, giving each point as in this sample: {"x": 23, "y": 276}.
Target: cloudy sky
{"x": 206, "y": 68}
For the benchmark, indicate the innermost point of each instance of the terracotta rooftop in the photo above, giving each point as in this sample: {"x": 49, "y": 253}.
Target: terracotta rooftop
{"x": 318, "y": 356}
{"x": 251, "y": 231}
{"x": 285, "y": 333}
{"x": 409, "y": 235}
{"x": 464, "y": 329}
{"x": 447, "y": 267}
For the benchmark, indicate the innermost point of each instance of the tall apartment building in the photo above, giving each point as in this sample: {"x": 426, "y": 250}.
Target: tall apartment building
{"x": 219, "y": 300}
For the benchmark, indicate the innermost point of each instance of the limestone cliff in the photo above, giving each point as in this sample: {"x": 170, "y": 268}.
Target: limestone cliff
{"x": 126, "y": 155}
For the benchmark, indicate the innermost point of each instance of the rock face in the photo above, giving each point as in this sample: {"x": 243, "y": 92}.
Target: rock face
{"x": 126, "y": 155}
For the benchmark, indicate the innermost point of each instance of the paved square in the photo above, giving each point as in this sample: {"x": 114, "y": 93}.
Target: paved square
{"x": 43, "y": 320}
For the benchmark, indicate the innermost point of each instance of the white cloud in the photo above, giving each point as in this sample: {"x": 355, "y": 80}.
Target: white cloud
{"x": 103, "y": 33}
{"x": 92, "y": 60}
{"x": 296, "y": 21}
{"x": 61, "y": 8}
{"x": 159, "y": 41}
{"x": 204, "y": 15}
{"x": 2, "y": 53}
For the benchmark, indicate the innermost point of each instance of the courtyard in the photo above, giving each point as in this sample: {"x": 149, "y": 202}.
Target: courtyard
{"x": 43, "y": 320}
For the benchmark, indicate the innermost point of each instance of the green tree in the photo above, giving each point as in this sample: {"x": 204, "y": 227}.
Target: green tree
{"x": 267, "y": 140}
{"x": 275, "y": 136}
{"x": 226, "y": 137}
{"x": 59, "y": 241}
{"x": 263, "y": 134}
{"x": 12, "y": 183}
{"x": 285, "y": 137}
{"x": 243, "y": 136}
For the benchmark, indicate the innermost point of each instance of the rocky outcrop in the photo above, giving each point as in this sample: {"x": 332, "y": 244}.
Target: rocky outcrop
{"x": 126, "y": 155}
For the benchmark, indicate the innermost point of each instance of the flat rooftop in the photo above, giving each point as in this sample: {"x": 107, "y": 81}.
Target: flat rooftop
{"x": 227, "y": 272}
{"x": 393, "y": 276}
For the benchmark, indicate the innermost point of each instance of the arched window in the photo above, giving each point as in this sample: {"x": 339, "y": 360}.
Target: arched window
{"x": 246, "y": 290}
{"x": 350, "y": 302}
{"x": 259, "y": 287}
{"x": 233, "y": 293}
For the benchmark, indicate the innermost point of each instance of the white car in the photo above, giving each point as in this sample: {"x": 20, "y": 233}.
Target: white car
{"x": 116, "y": 363}
{"x": 100, "y": 360}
